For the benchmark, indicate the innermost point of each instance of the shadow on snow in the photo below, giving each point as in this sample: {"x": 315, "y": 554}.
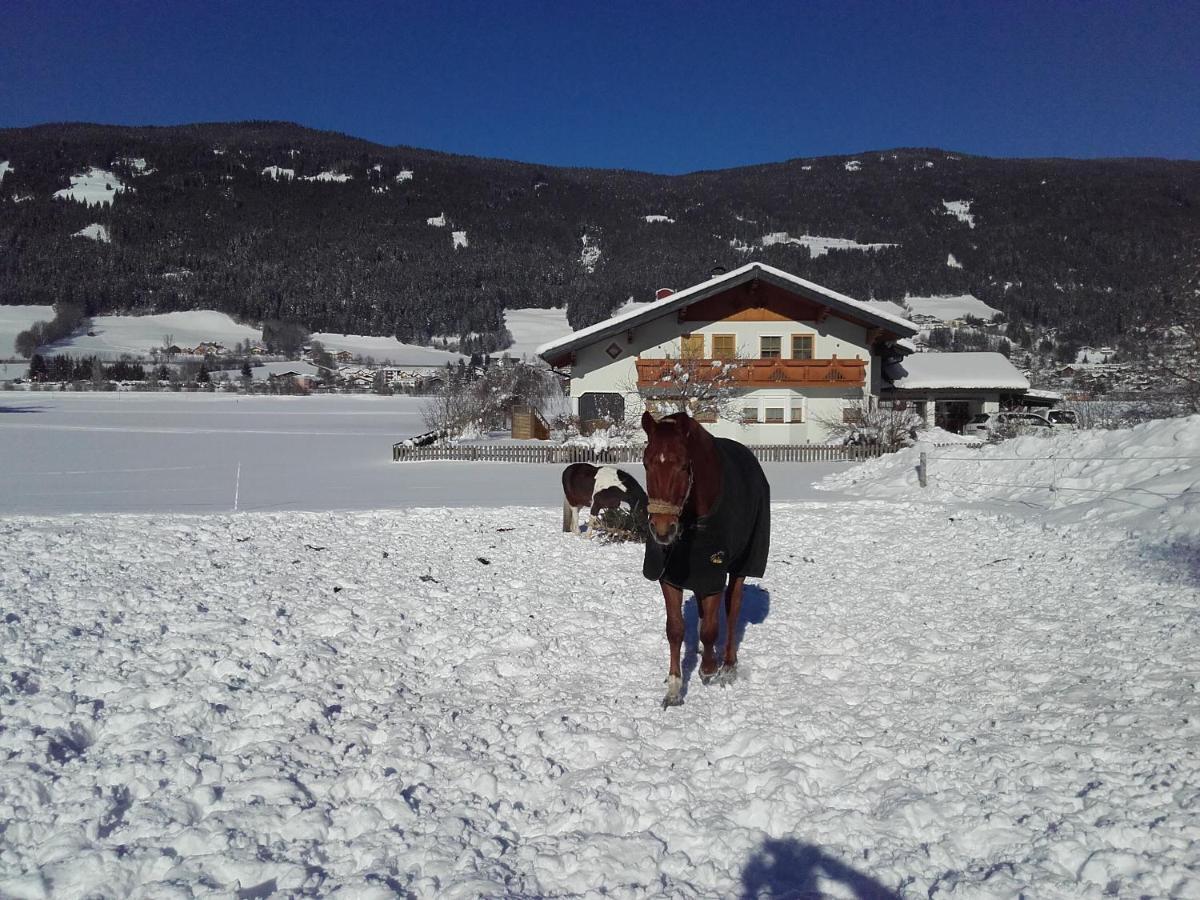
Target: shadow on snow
{"x": 789, "y": 868}
{"x": 756, "y": 606}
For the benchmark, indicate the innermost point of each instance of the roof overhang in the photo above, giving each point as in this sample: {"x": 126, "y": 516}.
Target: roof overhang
{"x": 558, "y": 351}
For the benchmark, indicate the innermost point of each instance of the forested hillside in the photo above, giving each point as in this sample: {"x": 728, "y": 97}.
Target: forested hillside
{"x": 274, "y": 221}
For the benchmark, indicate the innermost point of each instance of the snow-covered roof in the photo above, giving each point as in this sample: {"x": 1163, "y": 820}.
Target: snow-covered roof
{"x": 924, "y": 371}
{"x": 751, "y": 271}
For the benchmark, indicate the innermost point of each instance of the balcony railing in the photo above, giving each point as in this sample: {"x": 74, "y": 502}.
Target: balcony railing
{"x": 756, "y": 373}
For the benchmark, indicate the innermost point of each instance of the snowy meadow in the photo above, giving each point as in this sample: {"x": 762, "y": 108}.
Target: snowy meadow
{"x": 375, "y": 678}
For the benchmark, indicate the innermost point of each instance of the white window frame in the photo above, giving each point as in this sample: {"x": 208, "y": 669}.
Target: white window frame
{"x": 799, "y": 402}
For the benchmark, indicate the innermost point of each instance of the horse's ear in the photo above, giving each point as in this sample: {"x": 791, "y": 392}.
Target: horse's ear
{"x": 648, "y": 423}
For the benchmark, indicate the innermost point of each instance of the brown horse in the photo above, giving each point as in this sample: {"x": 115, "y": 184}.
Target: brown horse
{"x": 710, "y": 528}
{"x": 599, "y": 488}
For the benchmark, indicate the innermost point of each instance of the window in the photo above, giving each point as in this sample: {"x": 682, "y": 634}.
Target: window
{"x": 798, "y": 411}
{"x": 802, "y": 346}
{"x": 691, "y": 346}
{"x": 774, "y": 414}
{"x": 749, "y": 413}
{"x": 724, "y": 346}
{"x": 852, "y": 416}
{"x": 705, "y": 412}
{"x": 769, "y": 347}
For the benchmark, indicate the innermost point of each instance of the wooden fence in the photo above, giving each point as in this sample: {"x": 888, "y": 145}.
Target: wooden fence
{"x": 562, "y": 454}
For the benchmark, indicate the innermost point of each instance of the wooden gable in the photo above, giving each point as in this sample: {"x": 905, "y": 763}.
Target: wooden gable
{"x": 758, "y": 301}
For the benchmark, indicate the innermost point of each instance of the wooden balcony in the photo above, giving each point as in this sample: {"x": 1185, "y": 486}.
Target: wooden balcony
{"x": 759, "y": 373}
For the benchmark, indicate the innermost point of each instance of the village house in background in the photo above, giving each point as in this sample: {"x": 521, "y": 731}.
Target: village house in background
{"x": 794, "y": 357}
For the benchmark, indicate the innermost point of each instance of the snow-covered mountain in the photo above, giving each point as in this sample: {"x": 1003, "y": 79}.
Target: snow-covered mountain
{"x": 272, "y": 220}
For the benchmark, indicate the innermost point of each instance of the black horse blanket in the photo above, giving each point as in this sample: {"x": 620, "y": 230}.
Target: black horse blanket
{"x": 733, "y": 538}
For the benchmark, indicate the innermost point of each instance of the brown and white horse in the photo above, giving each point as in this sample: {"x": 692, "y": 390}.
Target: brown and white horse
{"x": 599, "y": 488}
{"x": 710, "y": 523}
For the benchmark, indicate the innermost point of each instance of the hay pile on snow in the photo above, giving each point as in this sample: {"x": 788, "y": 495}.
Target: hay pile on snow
{"x": 1144, "y": 479}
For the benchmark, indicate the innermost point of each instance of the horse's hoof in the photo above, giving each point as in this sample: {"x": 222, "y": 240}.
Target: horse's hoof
{"x": 674, "y": 691}
{"x": 708, "y": 679}
{"x": 727, "y": 675}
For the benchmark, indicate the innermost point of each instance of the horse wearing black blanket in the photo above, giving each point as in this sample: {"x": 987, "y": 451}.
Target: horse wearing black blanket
{"x": 710, "y": 528}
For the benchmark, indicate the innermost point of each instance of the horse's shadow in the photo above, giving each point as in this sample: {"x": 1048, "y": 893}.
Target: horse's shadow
{"x": 756, "y": 606}
{"x": 789, "y": 868}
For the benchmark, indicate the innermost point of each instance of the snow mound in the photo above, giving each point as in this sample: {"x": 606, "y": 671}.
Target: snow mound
{"x": 93, "y": 186}
{"x": 852, "y": 165}
{"x": 277, "y": 173}
{"x": 459, "y": 238}
{"x": 405, "y": 175}
{"x": 952, "y": 261}
{"x": 819, "y": 246}
{"x": 1144, "y": 480}
{"x": 666, "y": 219}
{"x": 95, "y": 232}
{"x": 5, "y": 168}
{"x": 961, "y": 210}
{"x": 438, "y": 221}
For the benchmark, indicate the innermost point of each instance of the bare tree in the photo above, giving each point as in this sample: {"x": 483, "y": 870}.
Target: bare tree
{"x": 706, "y": 389}
{"x": 869, "y": 422}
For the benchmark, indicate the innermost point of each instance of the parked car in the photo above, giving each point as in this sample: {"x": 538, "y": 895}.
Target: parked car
{"x": 1063, "y": 418}
{"x": 994, "y": 426}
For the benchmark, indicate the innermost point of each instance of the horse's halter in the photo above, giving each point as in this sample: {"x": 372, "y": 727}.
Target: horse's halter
{"x": 662, "y": 507}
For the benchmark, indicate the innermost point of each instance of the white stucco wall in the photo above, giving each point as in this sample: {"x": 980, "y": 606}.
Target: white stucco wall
{"x": 595, "y": 371}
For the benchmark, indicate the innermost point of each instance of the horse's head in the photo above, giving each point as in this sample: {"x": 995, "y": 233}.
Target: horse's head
{"x": 668, "y": 461}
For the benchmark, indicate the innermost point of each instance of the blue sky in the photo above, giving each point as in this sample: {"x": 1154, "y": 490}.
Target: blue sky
{"x": 659, "y": 86}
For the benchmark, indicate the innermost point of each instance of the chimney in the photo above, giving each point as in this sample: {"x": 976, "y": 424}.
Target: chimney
{"x": 663, "y": 293}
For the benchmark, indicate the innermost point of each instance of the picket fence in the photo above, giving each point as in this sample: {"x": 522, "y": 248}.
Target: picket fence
{"x": 563, "y": 454}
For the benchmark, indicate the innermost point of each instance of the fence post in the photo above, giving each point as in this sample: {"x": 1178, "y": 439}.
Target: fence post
{"x": 923, "y": 470}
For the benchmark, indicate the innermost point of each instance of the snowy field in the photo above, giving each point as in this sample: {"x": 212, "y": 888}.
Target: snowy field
{"x": 531, "y": 328}
{"x": 14, "y": 320}
{"x": 114, "y": 336}
{"x": 942, "y": 693}
{"x": 948, "y": 308}
{"x": 67, "y": 452}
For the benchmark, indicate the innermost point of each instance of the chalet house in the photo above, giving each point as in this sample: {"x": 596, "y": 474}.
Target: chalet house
{"x": 795, "y": 355}
{"x": 947, "y": 389}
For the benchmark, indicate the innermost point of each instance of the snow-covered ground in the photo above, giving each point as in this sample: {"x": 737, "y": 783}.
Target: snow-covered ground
{"x": 940, "y": 694}
{"x": 15, "y": 319}
{"x": 531, "y": 328}
{"x": 95, "y": 232}
{"x": 114, "y": 336}
{"x": 386, "y": 349}
{"x": 819, "y": 246}
{"x": 97, "y": 186}
{"x": 948, "y": 308}
{"x": 67, "y": 452}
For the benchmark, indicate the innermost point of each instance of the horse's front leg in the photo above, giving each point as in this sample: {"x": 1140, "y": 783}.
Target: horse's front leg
{"x": 733, "y": 612}
{"x": 673, "y": 598}
{"x": 710, "y": 626}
